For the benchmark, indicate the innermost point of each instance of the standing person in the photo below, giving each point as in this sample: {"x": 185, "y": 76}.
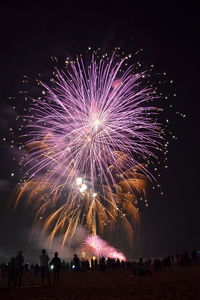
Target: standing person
{"x": 12, "y": 273}
{"x": 57, "y": 265}
{"x": 102, "y": 264}
{"x": 44, "y": 267}
{"x": 77, "y": 262}
{"x": 19, "y": 268}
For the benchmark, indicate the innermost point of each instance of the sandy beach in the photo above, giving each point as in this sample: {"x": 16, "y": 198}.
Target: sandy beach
{"x": 175, "y": 283}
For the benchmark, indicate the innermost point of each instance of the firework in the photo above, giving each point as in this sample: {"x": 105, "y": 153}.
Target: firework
{"x": 95, "y": 246}
{"x": 90, "y": 139}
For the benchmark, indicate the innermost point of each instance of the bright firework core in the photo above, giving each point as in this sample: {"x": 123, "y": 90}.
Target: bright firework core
{"x": 96, "y": 122}
{"x": 81, "y": 185}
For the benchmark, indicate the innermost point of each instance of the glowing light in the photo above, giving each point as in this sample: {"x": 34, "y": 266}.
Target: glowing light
{"x": 79, "y": 181}
{"x": 97, "y": 122}
{"x": 83, "y": 188}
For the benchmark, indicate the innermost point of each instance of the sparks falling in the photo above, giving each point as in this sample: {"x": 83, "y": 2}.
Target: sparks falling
{"x": 90, "y": 140}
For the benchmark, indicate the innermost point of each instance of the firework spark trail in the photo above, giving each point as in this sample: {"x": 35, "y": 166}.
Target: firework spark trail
{"x": 95, "y": 123}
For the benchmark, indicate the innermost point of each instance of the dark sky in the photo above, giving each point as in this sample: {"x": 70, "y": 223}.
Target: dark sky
{"x": 169, "y": 35}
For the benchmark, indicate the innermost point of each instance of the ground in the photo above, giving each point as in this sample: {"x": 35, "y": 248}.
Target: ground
{"x": 173, "y": 284}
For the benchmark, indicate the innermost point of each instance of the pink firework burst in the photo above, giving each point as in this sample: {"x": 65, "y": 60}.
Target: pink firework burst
{"x": 89, "y": 116}
{"x": 94, "y": 245}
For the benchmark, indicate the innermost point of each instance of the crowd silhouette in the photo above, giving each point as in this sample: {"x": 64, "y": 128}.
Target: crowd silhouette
{"x": 50, "y": 270}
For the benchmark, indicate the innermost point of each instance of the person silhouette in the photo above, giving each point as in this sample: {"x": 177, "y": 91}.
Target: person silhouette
{"x": 57, "y": 265}
{"x": 44, "y": 267}
{"x": 102, "y": 264}
{"x": 19, "y": 268}
{"x": 76, "y": 262}
{"x": 12, "y": 273}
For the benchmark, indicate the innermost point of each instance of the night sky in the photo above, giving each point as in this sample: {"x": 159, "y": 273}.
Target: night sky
{"x": 169, "y": 35}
